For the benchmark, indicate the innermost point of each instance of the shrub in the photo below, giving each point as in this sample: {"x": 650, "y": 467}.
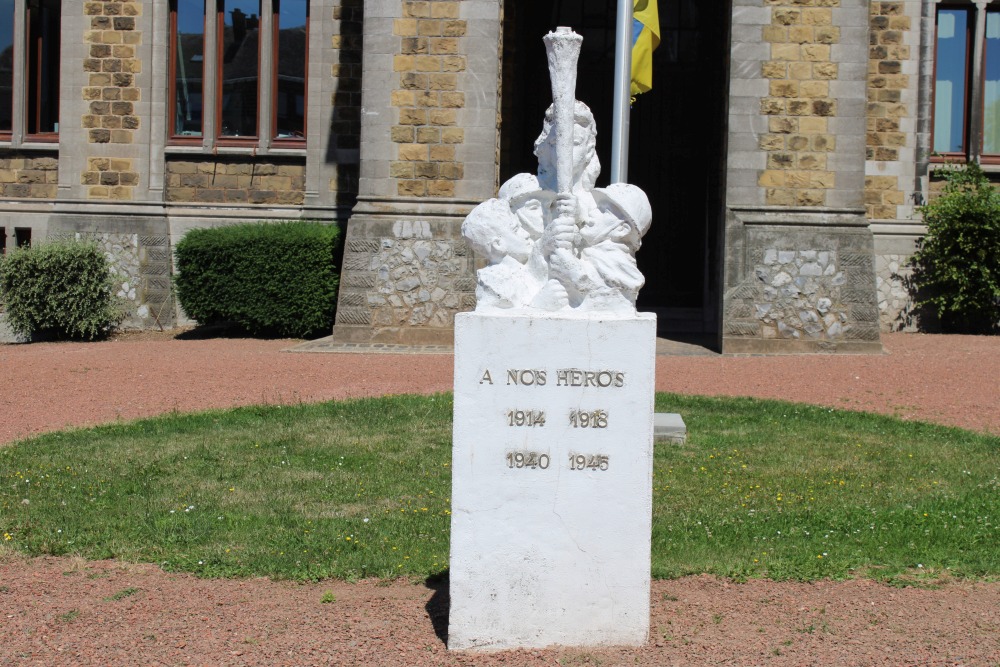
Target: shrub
{"x": 269, "y": 279}
{"x": 61, "y": 290}
{"x": 957, "y": 264}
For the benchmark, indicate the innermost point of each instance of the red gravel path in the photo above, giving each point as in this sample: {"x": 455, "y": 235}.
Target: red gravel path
{"x": 947, "y": 379}
{"x": 57, "y": 611}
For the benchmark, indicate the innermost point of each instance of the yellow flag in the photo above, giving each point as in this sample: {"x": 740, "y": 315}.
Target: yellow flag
{"x": 645, "y": 39}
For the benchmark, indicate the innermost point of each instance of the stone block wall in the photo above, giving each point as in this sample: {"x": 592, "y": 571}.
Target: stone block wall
{"x": 428, "y": 98}
{"x": 110, "y": 95}
{"x": 28, "y": 176}
{"x": 891, "y": 124}
{"x": 892, "y": 189}
{"x": 424, "y": 165}
{"x": 345, "y": 124}
{"x": 236, "y": 180}
{"x": 141, "y": 268}
{"x": 111, "y": 67}
{"x": 110, "y": 178}
{"x": 799, "y": 103}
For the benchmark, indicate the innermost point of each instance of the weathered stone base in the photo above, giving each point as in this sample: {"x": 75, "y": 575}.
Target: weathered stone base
{"x": 404, "y": 278}
{"x": 799, "y": 280}
{"x": 343, "y": 333}
{"x": 141, "y": 261}
{"x": 139, "y": 239}
{"x": 895, "y": 243}
{"x": 552, "y": 551}
{"x": 757, "y": 346}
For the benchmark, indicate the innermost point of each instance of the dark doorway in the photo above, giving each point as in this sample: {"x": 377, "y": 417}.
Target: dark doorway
{"x": 677, "y": 137}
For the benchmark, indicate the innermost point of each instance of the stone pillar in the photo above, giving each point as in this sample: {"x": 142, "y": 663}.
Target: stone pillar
{"x": 110, "y": 147}
{"x": 893, "y": 182}
{"x": 428, "y": 155}
{"x": 334, "y": 108}
{"x": 104, "y": 132}
{"x": 799, "y": 266}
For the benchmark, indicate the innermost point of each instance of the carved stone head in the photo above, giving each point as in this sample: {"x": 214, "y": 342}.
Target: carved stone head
{"x": 494, "y": 232}
{"x": 586, "y": 167}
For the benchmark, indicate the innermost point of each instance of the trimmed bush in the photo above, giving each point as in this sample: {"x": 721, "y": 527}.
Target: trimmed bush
{"x": 957, "y": 264}
{"x": 60, "y": 290}
{"x": 272, "y": 279}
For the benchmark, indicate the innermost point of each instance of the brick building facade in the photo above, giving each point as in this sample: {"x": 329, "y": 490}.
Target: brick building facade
{"x": 786, "y": 146}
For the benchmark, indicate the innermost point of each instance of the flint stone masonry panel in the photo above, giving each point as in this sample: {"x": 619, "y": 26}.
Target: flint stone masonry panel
{"x": 403, "y": 281}
{"x": 897, "y": 311}
{"x": 556, "y": 551}
{"x": 140, "y": 263}
{"x": 800, "y": 282}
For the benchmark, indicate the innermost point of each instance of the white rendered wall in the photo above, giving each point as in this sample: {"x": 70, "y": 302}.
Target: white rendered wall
{"x": 547, "y": 554}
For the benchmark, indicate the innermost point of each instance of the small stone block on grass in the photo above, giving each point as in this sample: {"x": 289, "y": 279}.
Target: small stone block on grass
{"x": 669, "y": 427}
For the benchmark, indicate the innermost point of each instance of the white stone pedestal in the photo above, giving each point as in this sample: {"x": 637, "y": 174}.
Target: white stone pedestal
{"x": 550, "y": 531}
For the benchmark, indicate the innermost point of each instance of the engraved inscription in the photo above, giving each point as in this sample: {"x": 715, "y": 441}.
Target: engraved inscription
{"x": 592, "y": 419}
{"x": 529, "y": 460}
{"x": 525, "y": 418}
{"x": 526, "y": 377}
{"x": 565, "y": 377}
{"x": 588, "y": 461}
{"x": 576, "y": 377}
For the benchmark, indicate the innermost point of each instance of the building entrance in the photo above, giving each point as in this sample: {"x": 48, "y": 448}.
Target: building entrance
{"x": 677, "y": 138}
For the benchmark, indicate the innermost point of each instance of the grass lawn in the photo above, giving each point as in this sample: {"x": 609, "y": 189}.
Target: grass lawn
{"x": 361, "y": 488}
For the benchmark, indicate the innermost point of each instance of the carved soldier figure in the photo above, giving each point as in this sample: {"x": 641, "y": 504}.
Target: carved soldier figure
{"x": 496, "y": 234}
{"x": 582, "y": 239}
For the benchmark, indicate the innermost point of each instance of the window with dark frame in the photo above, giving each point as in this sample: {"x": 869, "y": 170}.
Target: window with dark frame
{"x": 950, "y": 79}
{"x": 239, "y": 68}
{"x": 248, "y": 80}
{"x": 291, "y": 50}
{"x": 966, "y": 107}
{"x": 29, "y": 70}
{"x": 42, "y": 103}
{"x": 991, "y": 85}
{"x": 187, "y": 67}
{"x": 6, "y": 67}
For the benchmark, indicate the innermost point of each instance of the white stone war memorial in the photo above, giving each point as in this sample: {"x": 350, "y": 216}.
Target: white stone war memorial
{"x": 554, "y": 378}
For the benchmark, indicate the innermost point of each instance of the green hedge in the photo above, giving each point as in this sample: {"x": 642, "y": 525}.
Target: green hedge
{"x": 957, "y": 264}
{"x": 273, "y": 279}
{"x": 61, "y": 290}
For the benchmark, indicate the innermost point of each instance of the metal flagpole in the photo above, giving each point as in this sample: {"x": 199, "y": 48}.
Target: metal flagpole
{"x": 623, "y": 92}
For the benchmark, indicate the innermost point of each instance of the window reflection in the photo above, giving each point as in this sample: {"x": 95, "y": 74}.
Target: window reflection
{"x": 950, "y": 82}
{"x": 189, "y": 66}
{"x": 291, "y": 49}
{"x": 6, "y": 65}
{"x": 991, "y": 92}
{"x": 240, "y": 75}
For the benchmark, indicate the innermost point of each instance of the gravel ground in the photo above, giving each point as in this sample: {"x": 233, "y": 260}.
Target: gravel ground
{"x": 65, "y": 611}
